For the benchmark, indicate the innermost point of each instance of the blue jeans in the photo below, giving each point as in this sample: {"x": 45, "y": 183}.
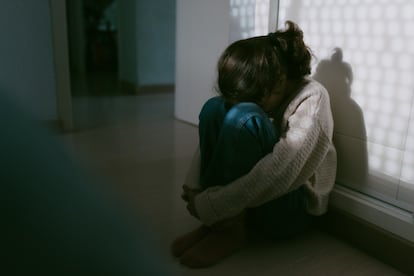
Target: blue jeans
{"x": 232, "y": 140}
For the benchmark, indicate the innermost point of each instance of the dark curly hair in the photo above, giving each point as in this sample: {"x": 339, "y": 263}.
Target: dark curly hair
{"x": 252, "y": 68}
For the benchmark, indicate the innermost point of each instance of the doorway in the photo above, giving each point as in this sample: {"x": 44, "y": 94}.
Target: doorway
{"x": 93, "y": 47}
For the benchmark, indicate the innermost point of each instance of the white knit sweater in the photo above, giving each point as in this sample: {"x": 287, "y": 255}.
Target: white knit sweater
{"x": 304, "y": 155}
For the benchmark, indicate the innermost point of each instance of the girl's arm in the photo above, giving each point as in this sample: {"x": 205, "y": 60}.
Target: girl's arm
{"x": 192, "y": 180}
{"x": 293, "y": 161}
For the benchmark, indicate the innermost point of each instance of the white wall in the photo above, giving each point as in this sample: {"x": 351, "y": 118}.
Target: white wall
{"x": 26, "y": 54}
{"x": 147, "y": 41}
{"x": 202, "y": 34}
{"x": 371, "y": 88}
{"x": 155, "y": 41}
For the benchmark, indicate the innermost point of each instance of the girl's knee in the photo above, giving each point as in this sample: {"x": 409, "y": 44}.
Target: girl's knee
{"x": 212, "y": 107}
{"x": 242, "y": 112}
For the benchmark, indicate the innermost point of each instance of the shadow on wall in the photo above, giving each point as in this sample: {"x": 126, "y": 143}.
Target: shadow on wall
{"x": 349, "y": 132}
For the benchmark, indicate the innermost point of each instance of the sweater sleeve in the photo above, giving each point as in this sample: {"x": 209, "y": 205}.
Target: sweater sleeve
{"x": 192, "y": 179}
{"x": 293, "y": 161}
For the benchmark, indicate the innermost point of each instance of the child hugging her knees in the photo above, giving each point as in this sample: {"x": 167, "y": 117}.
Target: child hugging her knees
{"x": 266, "y": 162}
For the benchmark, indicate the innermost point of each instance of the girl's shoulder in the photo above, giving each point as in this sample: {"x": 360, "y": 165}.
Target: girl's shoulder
{"x": 314, "y": 87}
{"x": 312, "y": 91}
{"x": 312, "y": 99}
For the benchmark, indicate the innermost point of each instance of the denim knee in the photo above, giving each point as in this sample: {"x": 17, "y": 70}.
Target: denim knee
{"x": 250, "y": 119}
{"x": 212, "y": 108}
{"x": 240, "y": 113}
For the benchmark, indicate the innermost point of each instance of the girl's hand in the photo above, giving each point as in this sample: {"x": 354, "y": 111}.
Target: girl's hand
{"x": 188, "y": 192}
{"x": 188, "y": 196}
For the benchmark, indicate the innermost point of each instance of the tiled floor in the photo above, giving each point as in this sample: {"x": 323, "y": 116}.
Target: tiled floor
{"x": 134, "y": 143}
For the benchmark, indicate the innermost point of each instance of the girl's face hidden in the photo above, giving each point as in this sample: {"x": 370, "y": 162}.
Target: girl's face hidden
{"x": 271, "y": 102}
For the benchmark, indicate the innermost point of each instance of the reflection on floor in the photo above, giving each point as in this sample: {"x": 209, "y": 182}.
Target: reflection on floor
{"x": 134, "y": 143}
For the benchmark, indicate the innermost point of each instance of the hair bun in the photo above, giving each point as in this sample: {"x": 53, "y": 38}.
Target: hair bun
{"x": 277, "y": 42}
{"x": 296, "y": 54}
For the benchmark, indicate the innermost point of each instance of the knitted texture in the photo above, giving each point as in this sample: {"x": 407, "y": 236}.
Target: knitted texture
{"x": 304, "y": 155}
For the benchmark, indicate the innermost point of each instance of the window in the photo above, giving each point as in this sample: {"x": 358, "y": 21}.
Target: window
{"x": 364, "y": 53}
{"x": 249, "y": 18}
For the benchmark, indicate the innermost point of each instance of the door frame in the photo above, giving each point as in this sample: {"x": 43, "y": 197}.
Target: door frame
{"x": 61, "y": 62}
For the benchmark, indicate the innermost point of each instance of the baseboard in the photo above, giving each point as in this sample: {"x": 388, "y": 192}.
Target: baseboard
{"x": 130, "y": 88}
{"x": 377, "y": 242}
